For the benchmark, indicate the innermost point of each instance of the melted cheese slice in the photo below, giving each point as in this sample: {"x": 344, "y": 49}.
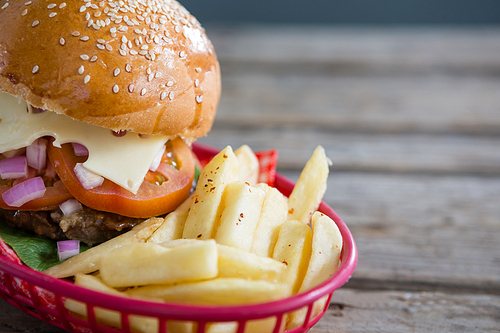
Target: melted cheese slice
{"x": 123, "y": 160}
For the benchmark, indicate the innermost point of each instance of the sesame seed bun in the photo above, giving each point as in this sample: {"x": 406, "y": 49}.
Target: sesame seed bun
{"x": 142, "y": 66}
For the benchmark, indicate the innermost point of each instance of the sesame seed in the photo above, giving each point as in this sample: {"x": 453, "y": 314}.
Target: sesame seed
{"x": 199, "y": 99}
{"x": 131, "y": 88}
{"x": 116, "y": 72}
{"x": 108, "y": 47}
{"x": 93, "y": 59}
{"x": 143, "y": 91}
{"x": 148, "y": 71}
{"x": 86, "y": 79}
{"x": 75, "y": 34}
{"x": 123, "y": 52}
{"x": 101, "y": 41}
{"x": 133, "y": 52}
{"x": 25, "y": 11}
{"x": 198, "y": 69}
{"x": 52, "y": 14}
{"x": 100, "y": 46}
{"x": 81, "y": 70}
{"x": 151, "y": 77}
{"x": 83, "y": 8}
{"x": 5, "y": 5}
{"x": 196, "y": 83}
{"x": 62, "y": 41}
{"x": 163, "y": 95}
{"x": 52, "y": 5}
{"x": 84, "y": 57}
{"x": 170, "y": 83}
{"x": 62, "y": 5}
{"x": 84, "y": 38}
{"x": 28, "y": 3}
{"x": 171, "y": 95}
{"x": 35, "y": 23}
{"x": 182, "y": 54}
{"x": 35, "y": 69}
{"x": 116, "y": 89}
{"x": 128, "y": 68}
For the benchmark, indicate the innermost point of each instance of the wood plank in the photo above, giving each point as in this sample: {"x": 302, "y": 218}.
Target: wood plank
{"x": 432, "y": 103}
{"x": 354, "y": 311}
{"x": 360, "y": 49}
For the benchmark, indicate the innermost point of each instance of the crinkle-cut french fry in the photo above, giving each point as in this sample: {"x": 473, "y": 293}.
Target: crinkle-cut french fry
{"x": 324, "y": 261}
{"x": 234, "y": 262}
{"x": 88, "y": 261}
{"x": 206, "y": 200}
{"x": 149, "y": 263}
{"x": 106, "y": 316}
{"x": 310, "y": 188}
{"x": 242, "y": 208}
{"x": 274, "y": 213}
{"x": 294, "y": 249}
{"x": 173, "y": 225}
{"x": 249, "y": 165}
{"x": 219, "y": 291}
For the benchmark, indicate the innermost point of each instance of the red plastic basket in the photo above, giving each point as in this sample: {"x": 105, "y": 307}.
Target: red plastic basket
{"x": 43, "y": 296}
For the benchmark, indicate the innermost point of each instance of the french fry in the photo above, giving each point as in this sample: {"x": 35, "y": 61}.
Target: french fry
{"x": 173, "y": 225}
{"x": 324, "y": 261}
{"x": 149, "y": 263}
{"x": 106, "y": 316}
{"x": 274, "y": 213}
{"x": 249, "y": 165}
{"x": 310, "y": 187}
{"x": 242, "y": 208}
{"x": 234, "y": 262}
{"x": 203, "y": 215}
{"x": 219, "y": 291}
{"x": 294, "y": 249}
{"x": 88, "y": 261}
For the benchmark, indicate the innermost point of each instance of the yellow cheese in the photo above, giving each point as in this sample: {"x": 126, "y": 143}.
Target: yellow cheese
{"x": 123, "y": 160}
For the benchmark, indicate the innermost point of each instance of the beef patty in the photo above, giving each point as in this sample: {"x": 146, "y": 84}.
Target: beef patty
{"x": 87, "y": 225}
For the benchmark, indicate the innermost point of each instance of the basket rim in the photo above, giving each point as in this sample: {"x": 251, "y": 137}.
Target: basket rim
{"x": 175, "y": 311}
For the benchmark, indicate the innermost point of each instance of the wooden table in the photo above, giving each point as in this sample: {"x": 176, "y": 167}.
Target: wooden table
{"x": 411, "y": 120}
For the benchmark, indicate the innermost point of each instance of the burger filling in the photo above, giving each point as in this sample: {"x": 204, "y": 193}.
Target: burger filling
{"x": 63, "y": 184}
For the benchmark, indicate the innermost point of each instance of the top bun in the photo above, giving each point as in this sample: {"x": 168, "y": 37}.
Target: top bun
{"x": 144, "y": 66}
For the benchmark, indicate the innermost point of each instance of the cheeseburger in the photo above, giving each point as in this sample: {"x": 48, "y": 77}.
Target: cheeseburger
{"x": 99, "y": 104}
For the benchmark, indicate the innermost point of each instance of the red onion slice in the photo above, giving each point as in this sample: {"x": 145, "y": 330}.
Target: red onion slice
{"x": 36, "y": 154}
{"x": 15, "y": 152}
{"x": 68, "y": 249}
{"x": 87, "y": 178}
{"x": 157, "y": 160}
{"x": 70, "y": 206}
{"x": 80, "y": 150}
{"x": 28, "y": 190}
{"x": 14, "y": 167}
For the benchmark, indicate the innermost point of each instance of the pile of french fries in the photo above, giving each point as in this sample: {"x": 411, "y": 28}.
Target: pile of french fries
{"x": 232, "y": 242}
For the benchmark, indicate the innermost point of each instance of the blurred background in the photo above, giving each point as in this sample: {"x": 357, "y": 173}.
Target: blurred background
{"x": 378, "y": 12}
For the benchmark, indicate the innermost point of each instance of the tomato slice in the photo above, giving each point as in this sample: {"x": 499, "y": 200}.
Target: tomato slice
{"x": 160, "y": 193}
{"x": 55, "y": 194}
